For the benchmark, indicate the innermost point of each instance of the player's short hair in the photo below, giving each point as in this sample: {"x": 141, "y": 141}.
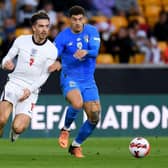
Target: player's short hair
{"x": 39, "y": 15}
{"x": 76, "y": 10}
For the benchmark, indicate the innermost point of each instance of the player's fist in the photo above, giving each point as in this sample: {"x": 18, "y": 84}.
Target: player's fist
{"x": 79, "y": 54}
{"x": 9, "y": 65}
{"x": 26, "y": 94}
{"x": 56, "y": 66}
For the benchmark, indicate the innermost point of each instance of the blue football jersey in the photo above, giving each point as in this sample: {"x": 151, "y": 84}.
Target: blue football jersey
{"x": 69, "y": 42}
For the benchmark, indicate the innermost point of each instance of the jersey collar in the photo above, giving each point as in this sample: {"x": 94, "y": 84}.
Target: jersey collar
{"x": 38, "y": 43}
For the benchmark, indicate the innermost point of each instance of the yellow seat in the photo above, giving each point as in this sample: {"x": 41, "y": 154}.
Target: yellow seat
{"x": 140, "y": 19}
{"x": 152, "y": 20}
{"x": 141, "y": 2}
{"x": 162, "y": 45}
{"x": 139, "y": 58}
{"x": 152, "y": 14}
{"x": 164, "y": 2}
{"x": 152, "y": 11}
{"x": 119, "y": 21}
{"x": 105, "y": 59}
{"x": 99, "y": 19}
{"x": 117, "y": 59}
{"x": 152, "y": 2}
{"x": 22, "y": 31}
{"x": 165, "y": 7}
{"x": 131, "y": 60}
{"x": 141, "y": 9}
{"x": 14, "y": 2}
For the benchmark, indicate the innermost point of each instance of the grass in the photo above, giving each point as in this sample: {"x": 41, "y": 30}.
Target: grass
{"x": 99, "y": 153}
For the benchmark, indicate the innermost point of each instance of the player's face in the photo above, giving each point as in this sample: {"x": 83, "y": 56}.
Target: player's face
{"x": 77, "y": 22}
{"x": 41, "y": 29}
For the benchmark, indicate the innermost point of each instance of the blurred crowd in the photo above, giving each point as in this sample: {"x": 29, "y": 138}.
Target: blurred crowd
{"x": 132, "y": 31}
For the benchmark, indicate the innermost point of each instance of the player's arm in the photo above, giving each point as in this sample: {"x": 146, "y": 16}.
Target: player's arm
{"x": 39, "y": 82}
{"x": 56, "y": 66}
{"x": 94, "y": 44}
{"x": 7, "y": 62}
{"x": 58, "y": 42}
{"x": 26, "y": 94}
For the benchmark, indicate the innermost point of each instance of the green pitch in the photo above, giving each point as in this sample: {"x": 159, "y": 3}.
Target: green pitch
{"x": 99, "y": 153}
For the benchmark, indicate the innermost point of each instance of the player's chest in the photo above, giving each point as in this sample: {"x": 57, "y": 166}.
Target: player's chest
{"x": 32, "y": 56}
{"x": 77, "y": 42}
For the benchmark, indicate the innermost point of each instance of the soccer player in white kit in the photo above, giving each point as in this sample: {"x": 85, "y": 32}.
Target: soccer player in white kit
{"x": 35, "y": 53}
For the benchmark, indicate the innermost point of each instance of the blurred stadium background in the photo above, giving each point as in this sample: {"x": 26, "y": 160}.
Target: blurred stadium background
{"x": 131, "y": 75}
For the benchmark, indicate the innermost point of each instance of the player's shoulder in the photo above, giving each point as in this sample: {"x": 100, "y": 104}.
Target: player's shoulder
{"x": 89, "y": 27}
{"x": 24, "y": 38}
{"x": 51, "y": 49}
{"x": 64, "y": 32}
{"x": 50, "y": 45}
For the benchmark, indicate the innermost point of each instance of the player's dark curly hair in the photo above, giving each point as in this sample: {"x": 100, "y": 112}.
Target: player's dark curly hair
{"x": 76, "y": 10}
{"x": 39, "y": 15}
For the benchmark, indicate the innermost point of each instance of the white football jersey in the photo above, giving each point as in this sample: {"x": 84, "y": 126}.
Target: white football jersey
{"x": 33, "y": 60}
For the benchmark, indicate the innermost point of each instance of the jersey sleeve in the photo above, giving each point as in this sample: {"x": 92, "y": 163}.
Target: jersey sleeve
{"x": 43, "y": 77}
{"x": 94, "y": 43}
{"x": 12, "y": 53}
{"x": 59, "y": 43}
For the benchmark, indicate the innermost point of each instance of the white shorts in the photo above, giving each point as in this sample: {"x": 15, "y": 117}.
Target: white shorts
{"x": 12, "y": 92}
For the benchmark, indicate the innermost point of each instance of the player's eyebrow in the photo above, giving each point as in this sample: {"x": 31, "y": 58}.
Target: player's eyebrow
{"x": 77, "y": 18}
{"x": 43, "y": 25}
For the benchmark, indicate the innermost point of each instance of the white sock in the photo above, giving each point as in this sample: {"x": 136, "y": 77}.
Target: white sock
{"x": 15, "y": 135}
{"x": 74, "y": 143}
{"x": 67, "y": 129}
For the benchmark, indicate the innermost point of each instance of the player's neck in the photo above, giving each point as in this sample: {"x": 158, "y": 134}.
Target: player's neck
{"x": 77, "y": 32}
{"x": 38, "y": 41}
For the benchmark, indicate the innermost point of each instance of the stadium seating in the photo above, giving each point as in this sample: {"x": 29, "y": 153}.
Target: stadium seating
{"x": 162, "y": 45}
{"x": 119, "y": 21}
{"x": 141, "y": 2}
{"x": 140, "y": 19}
{"x": 105, "y": 59}
{"x": 21, "y": 31}
{"x": 164, "y": 2}
{"x": 139, "y": 58}
{"x": 152, "y": 2}
{"x": 165, "y": 8}
{"x": 98, "y": 19}
{"x": 152, "y": 14}
{"x": 152, "y": 10}
{"x": 14, "y": 2}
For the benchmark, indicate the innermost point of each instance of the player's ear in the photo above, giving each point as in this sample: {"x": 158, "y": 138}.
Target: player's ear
{"x": 33, "y": 28}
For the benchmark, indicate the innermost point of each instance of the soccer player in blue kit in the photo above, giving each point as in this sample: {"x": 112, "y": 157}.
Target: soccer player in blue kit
{"x": 78, "y": 47}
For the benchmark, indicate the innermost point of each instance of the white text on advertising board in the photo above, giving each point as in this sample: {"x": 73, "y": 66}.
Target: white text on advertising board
{"x": 116, "y": 117}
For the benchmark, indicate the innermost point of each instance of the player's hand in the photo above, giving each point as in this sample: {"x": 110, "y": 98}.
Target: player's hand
{"x": 26, "y": 94}
{"x": 56, "y": 66}
{"x": 79, "y": 54}
{"x": 9, "y": 65}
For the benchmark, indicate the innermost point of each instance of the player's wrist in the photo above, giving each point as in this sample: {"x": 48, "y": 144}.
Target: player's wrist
{"x": 58, "y": 59}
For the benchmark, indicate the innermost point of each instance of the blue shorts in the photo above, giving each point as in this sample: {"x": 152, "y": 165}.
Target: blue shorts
{"x": 88, "y": 89}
